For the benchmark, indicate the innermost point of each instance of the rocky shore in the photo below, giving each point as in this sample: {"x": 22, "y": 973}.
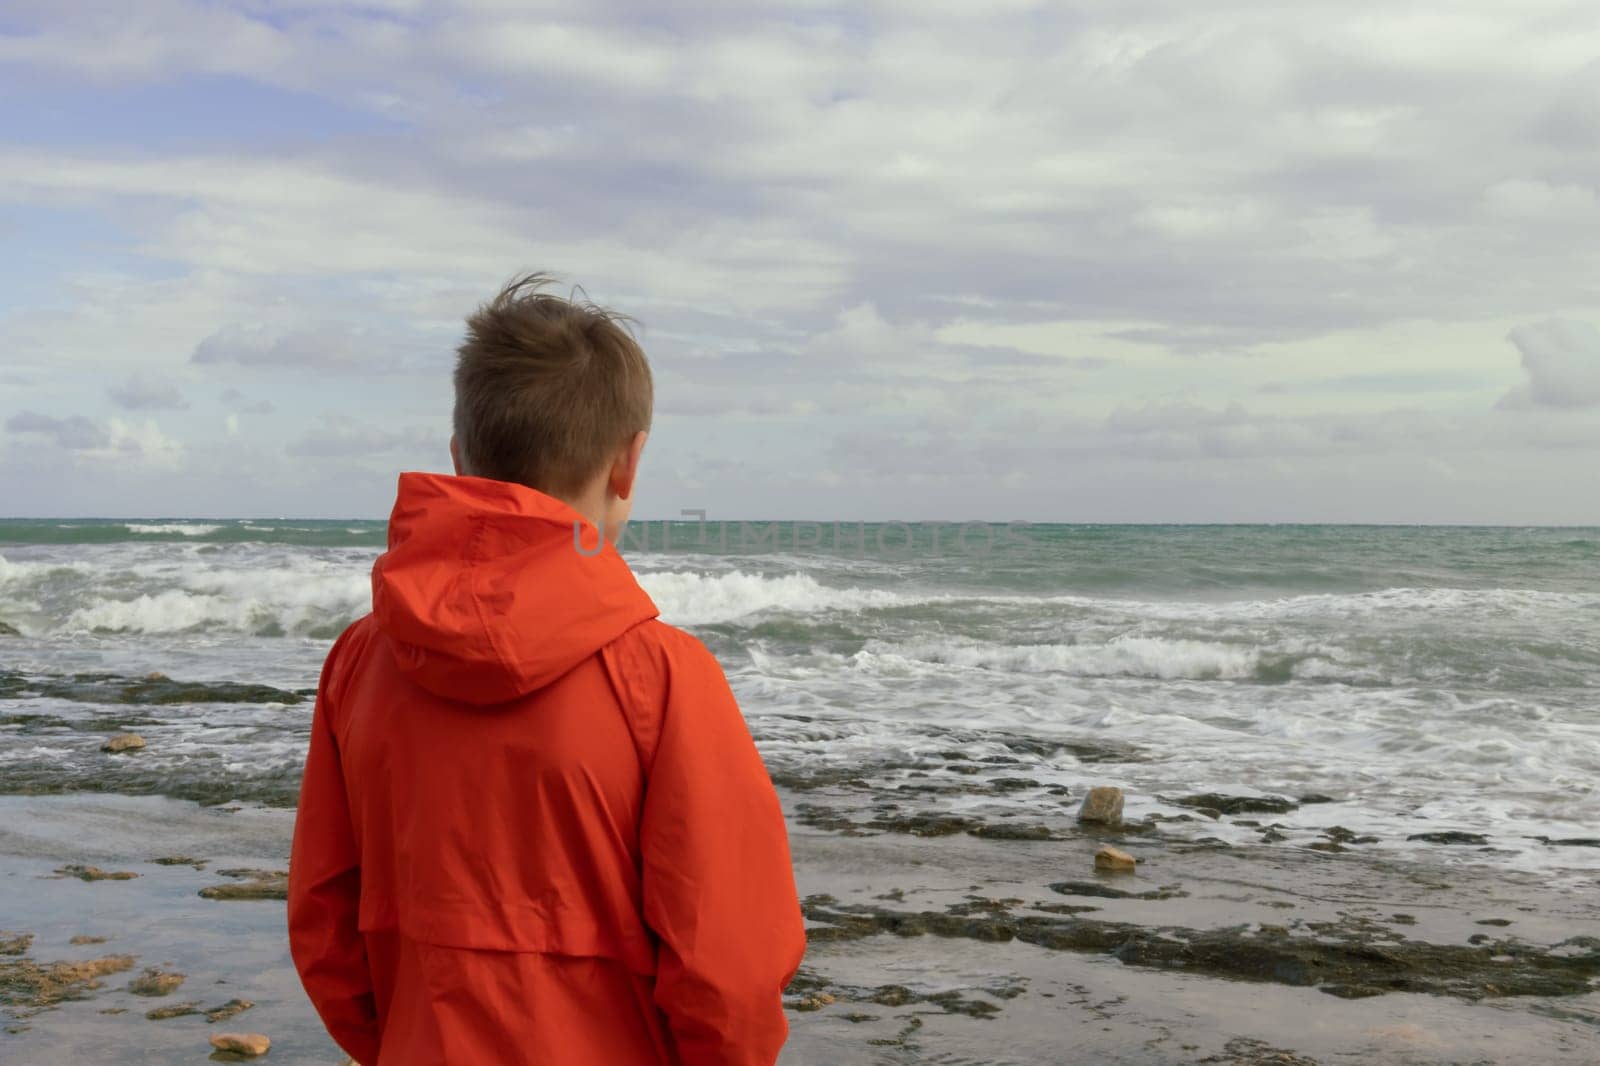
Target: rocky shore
{"x": 940, "y": 932}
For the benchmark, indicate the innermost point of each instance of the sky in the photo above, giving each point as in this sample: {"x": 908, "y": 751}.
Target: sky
{"x": 1113, "y": 260}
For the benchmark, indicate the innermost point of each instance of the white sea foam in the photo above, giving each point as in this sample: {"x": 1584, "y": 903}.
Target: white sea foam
{"x": 187, "y": 529}
{"x": 241, "y": 601}
{"x": 1124, "y": 656}
{"x": 688, "y": 598}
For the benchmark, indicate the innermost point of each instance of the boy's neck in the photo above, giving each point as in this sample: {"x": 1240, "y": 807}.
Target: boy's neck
{"x": 593, "y": 505}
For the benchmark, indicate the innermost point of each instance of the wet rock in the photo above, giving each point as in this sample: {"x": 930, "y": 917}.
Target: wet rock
{"x": 1243, "y": 1051}
{"x": 1238, "y": 804}
{"x": 1271, "y": 836}
{"x": 1008, "y": 831}
{"x": 15, "y": 943}
{"x": 1209, "y": 812}
{"x": 177, "y": 1010}
{"x": 9, "y": 630}
{"x": 1098, "y": 890}
{"x": 1109, "y": 858}
{"x": 1063, "y": 908}
{"x": 1451, "y": 837}
{"x": 155, "y": 982}
{"x": 1102, "y": 806}
{"x": 1494, "y": 921}
{"x": 85, "y": 938}
{"x": 156, "y": 690}
{"x": 1311, "y": 798}
{"x": 247, "y": 1044}
{"x": 1329, "y": 846}
{"x": 810, "y": 1003}
{"x": 1338, "y": 836}
{"x": 250, "y": 884}
{"x": 1013, "y": 784}
{"x": 984, "y": 905}
{"x": 180, "y": 860}
{"x": 1345, "y": 959}
{"x": 93, "y": 873}
{"x": 228, "y": 1010}
{"x": 25, "y": 983}
{"x": 123, "y": 742}
{"x": 1571, "y": 842}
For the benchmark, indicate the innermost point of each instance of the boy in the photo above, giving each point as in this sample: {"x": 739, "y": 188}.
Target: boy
{"x": 533, "y": 827}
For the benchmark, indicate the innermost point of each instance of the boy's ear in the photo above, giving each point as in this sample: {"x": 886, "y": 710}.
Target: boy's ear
{"x": 455, "y": 454}
{"x": 626, "y": 467}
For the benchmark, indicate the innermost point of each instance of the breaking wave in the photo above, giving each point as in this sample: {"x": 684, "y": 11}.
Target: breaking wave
{"x": 688, "y": 598}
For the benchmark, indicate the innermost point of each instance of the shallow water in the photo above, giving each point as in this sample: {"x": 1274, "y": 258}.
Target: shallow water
{"x": 1039, "y": 1005}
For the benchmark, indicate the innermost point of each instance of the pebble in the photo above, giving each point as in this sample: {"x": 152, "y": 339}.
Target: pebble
{"x": 249, "y": 1044}
{"x": 1110, "y": 858}
{"x": 123, "y": 742}
{"x": 1103, "y": 805}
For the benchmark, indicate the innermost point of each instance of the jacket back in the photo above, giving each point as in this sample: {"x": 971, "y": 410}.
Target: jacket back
{"x": 533, "y": 826}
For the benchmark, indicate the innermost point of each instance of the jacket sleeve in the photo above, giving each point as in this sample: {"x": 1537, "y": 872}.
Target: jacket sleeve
{"x": 718, "y": 884}
{"x": 325, "y": 892}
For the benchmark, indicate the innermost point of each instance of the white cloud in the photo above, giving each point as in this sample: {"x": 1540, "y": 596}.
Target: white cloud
{"x": 1091, "y": 231}
{"x": 343, "y": 437}
{"x": 141, "y": 443}
{"x": 1562, "y": 361}
{"x": 145, "y": 391}
{"x": 74, "y": 433}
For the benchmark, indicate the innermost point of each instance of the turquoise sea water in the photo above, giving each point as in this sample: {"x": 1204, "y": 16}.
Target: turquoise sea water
{"x": 1423, "y": 676}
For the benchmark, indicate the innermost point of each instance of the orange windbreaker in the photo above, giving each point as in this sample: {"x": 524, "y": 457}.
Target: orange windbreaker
{"x": 533, "y": 827}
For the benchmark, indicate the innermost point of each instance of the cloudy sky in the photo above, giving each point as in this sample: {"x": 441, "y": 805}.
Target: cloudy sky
{"x": 1113, "y": 260}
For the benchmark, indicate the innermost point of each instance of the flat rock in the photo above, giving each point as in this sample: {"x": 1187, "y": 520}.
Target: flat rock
{"x": 228, "y": 1010}
{"x": 14, "y": 943}
{"x": 247, "y": 1044}
{"x": 180, "y": 860}
{"x": 122, "y": 742}
{"x": 1231, "y": 805}
{"x": 1450, "y": 837}
{"x": 177, "y": 1010}
{"x": 94, "y": 873}
{"x": 1102, "y": 806}
{"x": 25, "y": 983}
{"x": 154, "y": 982}
{"x": 1110, "y": 858}
{"x": 250, "y": 884}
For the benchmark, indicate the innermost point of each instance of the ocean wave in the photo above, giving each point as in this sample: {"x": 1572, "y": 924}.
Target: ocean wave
{"x": 689, "y": 598}
{"x": 184, "y": 529}
{"x": 1151, "y": 657}
{"x": 311, "y": 601}
{"x": 1154, "y": 657}
{"x": 1425, "y": 601}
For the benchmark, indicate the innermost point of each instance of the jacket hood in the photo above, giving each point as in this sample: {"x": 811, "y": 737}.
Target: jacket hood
{"x": 485, "y": 594}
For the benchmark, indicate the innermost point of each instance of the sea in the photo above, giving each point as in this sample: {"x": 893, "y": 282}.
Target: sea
{"x": 1422, "y": 680}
